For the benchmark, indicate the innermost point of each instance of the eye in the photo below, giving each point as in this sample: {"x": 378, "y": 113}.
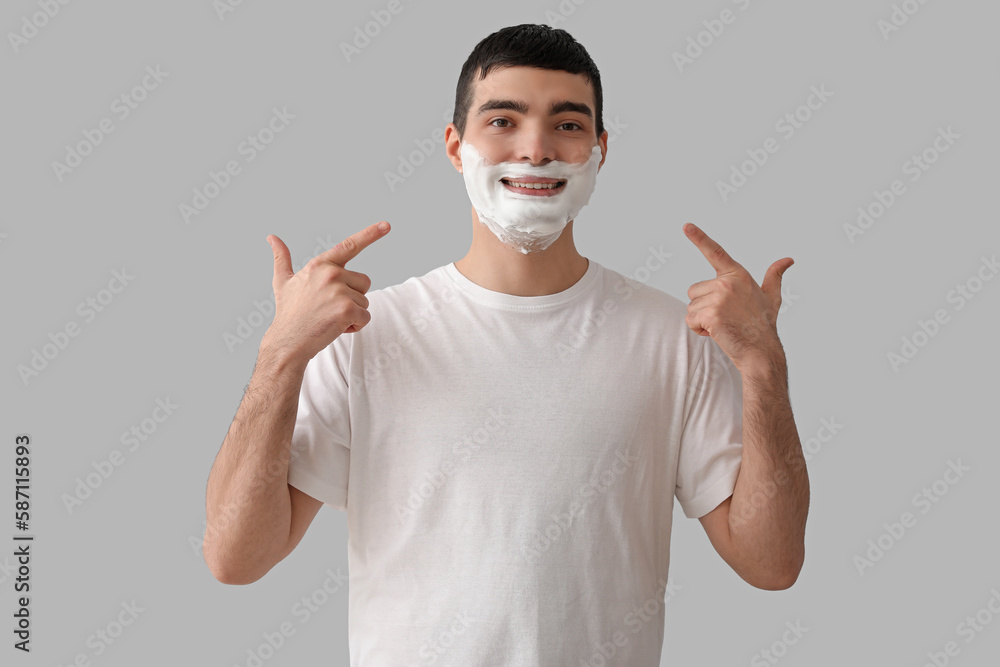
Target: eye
{"x": 499, "y": 119}
{"x": 571, "y": 123}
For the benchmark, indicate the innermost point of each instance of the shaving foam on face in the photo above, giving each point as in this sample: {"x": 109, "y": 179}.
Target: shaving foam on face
{"x": 527, "y": 222}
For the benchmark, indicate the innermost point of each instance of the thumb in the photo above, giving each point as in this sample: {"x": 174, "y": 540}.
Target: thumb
{"x": 772, "y": 279}
{"x": 282, "y": 259}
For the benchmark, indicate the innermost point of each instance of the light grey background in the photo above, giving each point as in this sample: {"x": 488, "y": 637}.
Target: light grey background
{"x": 676, "y": 133}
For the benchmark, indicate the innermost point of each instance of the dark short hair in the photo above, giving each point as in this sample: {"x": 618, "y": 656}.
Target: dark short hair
{"x": 530, "y": 45}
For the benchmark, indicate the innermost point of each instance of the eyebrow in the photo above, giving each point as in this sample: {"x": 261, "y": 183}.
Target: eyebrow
{"x": 522, "y": 107}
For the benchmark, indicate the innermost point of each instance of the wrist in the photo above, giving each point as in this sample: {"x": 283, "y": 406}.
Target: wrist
{"x": 765, "y": 366}
{"x": 279, "y": 357}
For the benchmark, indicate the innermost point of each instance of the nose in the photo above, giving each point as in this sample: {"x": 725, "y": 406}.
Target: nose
{"x": 535, "y": 146}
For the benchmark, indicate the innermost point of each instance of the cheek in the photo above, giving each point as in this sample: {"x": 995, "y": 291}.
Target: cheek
{"x": 492, "y": 152}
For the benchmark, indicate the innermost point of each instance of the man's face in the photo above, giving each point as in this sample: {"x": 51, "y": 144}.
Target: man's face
{"x": 511, "y": 119}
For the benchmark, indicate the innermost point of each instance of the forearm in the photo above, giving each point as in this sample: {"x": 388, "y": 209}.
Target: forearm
{"x": 248, "y": 506}
{"x": 767, "y": 515}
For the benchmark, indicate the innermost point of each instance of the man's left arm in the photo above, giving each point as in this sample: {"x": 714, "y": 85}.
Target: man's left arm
{"x": 760, "y": 529}
{"x": 766, "y": 515}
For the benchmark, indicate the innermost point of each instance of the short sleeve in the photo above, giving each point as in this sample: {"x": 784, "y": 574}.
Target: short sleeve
{"x": 711, "y": 448}
{"x": 321, "y": 440}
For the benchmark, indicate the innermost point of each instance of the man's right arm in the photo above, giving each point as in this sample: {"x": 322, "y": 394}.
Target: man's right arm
{"x": 254, "y": 517}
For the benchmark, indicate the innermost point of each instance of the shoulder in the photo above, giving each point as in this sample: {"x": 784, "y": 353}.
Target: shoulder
{"x": 413, "y": 291}
{"x": 639, "y": 295}
{"x": 644, "y": 311}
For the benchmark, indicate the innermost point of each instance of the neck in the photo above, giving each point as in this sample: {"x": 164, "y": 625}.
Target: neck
{"x": 499, "y": 267}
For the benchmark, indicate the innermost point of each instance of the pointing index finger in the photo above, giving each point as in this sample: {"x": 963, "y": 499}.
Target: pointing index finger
{"x": 713, "y": 252}
{"x": 349, "y": 248}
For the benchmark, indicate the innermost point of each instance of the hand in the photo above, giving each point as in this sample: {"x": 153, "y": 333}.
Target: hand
{"x": 320, "y": 302}
{"x": 738, "y": 314}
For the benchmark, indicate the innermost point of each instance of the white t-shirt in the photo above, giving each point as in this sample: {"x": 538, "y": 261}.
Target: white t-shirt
{"x": 508, "y": 466}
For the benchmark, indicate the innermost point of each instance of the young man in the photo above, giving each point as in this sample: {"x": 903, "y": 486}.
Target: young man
{"x": 507, "y": 432}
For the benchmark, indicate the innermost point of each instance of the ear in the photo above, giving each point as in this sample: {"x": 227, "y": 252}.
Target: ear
{"x": 602, "y": 141}
{"x": 453, "y": 146}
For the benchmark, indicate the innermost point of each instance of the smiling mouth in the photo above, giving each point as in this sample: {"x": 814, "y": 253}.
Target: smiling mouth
{"x": 538, "y": 187}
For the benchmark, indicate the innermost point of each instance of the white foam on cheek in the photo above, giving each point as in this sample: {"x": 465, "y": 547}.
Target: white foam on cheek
{"x": 527, "y": 222}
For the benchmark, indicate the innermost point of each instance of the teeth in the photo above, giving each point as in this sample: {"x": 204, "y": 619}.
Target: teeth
{"x": 534, "y": 186}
